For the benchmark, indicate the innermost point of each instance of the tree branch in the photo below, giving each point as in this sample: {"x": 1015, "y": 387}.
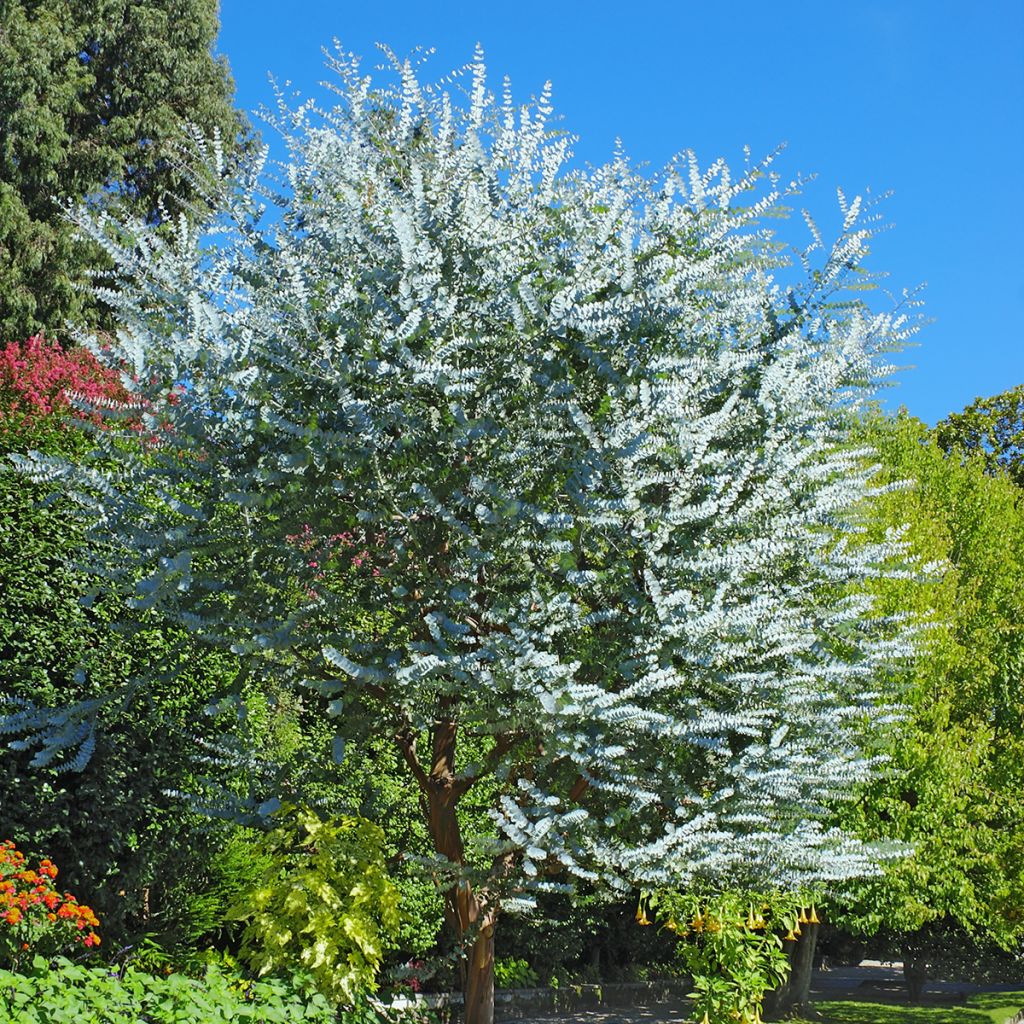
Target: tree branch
{"x": 406, "y": 740}
{"x": 505, "y": 743}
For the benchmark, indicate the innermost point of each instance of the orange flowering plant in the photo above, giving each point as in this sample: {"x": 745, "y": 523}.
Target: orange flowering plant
{"x": 35, "y": 917}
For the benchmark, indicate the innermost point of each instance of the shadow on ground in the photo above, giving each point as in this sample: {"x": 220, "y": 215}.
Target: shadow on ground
{"x": 981, "y": 1008}
{"x": 880, "y": 1013}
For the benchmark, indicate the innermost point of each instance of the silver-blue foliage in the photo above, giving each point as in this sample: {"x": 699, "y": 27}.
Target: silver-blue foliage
{"x": 592, "y": 441}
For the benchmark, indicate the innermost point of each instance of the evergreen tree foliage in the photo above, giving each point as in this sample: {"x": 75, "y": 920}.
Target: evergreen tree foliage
{"x": 92, "y": 97}
{"x": 991, "y": 429}
{"x": 544, "y": 464}
{"x": 954, "y": 787}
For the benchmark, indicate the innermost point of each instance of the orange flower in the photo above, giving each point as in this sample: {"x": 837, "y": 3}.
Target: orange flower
{"x": 23, "y": 889}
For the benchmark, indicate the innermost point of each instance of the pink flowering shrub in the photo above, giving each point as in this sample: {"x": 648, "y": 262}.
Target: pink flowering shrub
{"x": 346, "y": 553}
{"x": 321, "y": 550}
{"x": 40, "y": 381}
{"x": 38, "y": 378}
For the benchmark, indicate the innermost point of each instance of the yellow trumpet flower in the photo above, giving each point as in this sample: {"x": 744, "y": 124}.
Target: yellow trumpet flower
{"x": 814, "y": 919}
{"x": 790, "y": 937}
{"x": 803, "y": 918}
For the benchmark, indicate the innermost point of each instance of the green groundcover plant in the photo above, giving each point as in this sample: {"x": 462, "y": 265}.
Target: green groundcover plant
{"x": 68, "y": 993}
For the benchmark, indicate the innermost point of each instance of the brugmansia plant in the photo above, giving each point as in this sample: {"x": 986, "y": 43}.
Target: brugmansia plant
{"x": 733, "y": 944}
{"x": 596, "y": 451}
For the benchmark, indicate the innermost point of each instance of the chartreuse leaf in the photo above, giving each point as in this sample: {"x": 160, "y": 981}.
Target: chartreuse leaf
{"x": 326, "y": 903}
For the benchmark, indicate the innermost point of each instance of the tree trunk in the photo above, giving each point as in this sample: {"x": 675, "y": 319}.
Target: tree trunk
{"x": 801, "y": 965}
{"x": 479, "y": 984}
{"x": 915, "y": 974}
{"x": 472, "y": 917}
{"x": 795, "y": 993}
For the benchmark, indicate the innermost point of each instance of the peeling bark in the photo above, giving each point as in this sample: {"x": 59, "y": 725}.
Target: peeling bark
{"x": 467, "y": 911}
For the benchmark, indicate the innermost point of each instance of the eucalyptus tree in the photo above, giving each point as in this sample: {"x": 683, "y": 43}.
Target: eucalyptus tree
{"x": 541, "y": 463}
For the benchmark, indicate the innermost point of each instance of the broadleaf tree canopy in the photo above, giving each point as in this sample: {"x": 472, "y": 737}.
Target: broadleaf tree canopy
{"x": 991, "y": 429}
{"x": 594, "y": 459}
{"x": 953, "y": 788}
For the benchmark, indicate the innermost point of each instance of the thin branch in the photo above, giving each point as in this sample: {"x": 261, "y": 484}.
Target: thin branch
{"x": 406, "y": 740}
{"x": 506, "y": 742}
{"x": 579, "y": 787}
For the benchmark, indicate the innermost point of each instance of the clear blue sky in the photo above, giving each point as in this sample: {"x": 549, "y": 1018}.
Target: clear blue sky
{"x": 921, "y": 97}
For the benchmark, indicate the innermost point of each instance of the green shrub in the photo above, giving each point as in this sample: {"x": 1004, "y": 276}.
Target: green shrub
{"x": 512, "y": 973}
{"x": 118, "y": 834}
{"x": 325, "y": 905}
{"x": 67, "y": 993}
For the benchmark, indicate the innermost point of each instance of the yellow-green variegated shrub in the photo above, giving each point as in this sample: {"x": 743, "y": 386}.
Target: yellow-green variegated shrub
{"x": 325, "y": 906}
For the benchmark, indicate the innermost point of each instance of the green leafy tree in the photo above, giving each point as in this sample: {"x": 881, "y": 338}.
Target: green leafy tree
{"x": 991, "y": 429}
{"x": 92, "y": 99}
{"x": 596, "y": 464}
{"x": 954, "y": 785}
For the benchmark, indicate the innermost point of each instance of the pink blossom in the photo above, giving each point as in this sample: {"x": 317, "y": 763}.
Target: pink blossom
{"x": 38, "y": 378}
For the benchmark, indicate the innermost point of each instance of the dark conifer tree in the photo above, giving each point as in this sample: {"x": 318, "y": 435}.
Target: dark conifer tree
{"x": 93, "y": 94}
